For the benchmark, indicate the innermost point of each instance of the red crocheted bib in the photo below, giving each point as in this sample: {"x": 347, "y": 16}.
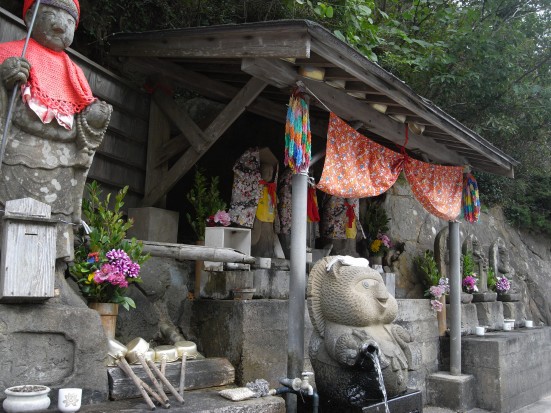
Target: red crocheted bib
{"x": 55, "y": 79}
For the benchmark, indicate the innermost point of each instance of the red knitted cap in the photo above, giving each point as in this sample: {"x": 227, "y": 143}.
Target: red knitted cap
{"x": 70, "y": 6}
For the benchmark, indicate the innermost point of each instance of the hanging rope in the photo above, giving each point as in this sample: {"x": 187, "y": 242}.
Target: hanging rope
{"x": 471, "y": 201}
{"x": 298, "y": 140}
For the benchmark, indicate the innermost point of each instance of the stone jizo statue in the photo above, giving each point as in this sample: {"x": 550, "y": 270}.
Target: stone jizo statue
{"x": 352, "y": 314}
{"x": 57, "y": 123}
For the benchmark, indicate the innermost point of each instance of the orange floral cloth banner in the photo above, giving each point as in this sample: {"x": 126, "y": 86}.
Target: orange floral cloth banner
{"x": 357, "y": 167}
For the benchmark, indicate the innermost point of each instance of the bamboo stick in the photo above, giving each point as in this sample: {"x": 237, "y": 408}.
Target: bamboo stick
{"x": 165, "y": 381}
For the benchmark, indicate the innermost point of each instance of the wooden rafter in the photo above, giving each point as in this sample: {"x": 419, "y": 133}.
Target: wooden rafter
{"x": 220, "y": 124}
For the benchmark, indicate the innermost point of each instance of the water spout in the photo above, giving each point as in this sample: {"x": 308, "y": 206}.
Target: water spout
{"x": 373, "y": 354}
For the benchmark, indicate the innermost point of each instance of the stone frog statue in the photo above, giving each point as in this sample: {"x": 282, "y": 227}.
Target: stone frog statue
{"x": 352, "y": 311}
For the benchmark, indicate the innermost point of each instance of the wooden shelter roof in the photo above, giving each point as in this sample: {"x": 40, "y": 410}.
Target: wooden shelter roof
{"x": 254, "y": 66}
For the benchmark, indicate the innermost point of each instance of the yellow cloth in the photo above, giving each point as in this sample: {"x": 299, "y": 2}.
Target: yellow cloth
{"x": 353, "y": 231}
{"x": 265, "y": 211}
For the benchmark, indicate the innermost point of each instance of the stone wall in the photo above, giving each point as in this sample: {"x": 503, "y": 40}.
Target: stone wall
{"x": 530, "y": 254}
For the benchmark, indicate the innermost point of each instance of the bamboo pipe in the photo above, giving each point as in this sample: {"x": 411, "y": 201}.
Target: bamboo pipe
{"x": 195, "y": 252}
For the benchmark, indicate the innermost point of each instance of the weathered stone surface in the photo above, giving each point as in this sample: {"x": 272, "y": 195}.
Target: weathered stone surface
{"x": 218, "y": 284}
{"x": 452, "y": 392}
{"x": 515, "y": 311}
{"x": 252, "y": 334}
{"x": 53, "y": 345}
{"x": 490, "y": 314}
{"x": 511, "y": 368}
{"x": 154, "y": 224}
{"x": 196, "y": 401}
{"x": 271, "y": 283}
{"x": 469, "y": 318}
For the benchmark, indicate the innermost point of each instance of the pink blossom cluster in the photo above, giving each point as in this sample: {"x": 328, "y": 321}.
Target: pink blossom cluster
{"x": 385, "y": 240}
{"x": 436, "y": 305}
{"x": 437, "y": 291}
{"x": 503, "y": 284}
{"x": 117, "y": 269}
{"x": 221, "y": 218}
{"x": 469, "y": 282}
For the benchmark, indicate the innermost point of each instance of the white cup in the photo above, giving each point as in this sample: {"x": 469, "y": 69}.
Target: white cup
{"x": 507, "y": 326}
{"x": 480, "y": 330}
{"x": 69, "y": 400}
{"x": 529, "y": 324}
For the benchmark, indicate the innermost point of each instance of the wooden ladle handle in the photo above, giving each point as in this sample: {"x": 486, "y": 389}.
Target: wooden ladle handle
{"x": 165, "y": 381}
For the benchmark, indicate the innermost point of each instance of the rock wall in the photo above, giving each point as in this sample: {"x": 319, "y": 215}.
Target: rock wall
{"x": 530, "y": 255}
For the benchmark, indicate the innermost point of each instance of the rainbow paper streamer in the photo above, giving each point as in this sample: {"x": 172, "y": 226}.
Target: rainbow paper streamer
{"x": 298, "y": 140}
{"x": 471, "y": 200}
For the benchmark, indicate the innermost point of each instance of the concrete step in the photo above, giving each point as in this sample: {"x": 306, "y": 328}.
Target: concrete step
{"x": 196, "y": 401}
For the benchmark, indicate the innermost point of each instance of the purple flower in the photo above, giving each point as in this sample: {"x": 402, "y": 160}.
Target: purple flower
{"x": 385, "y": 240}
{"x": 469, "y": 282}
{"x": 503, "y": 284}
{"x": 102, "y": 275}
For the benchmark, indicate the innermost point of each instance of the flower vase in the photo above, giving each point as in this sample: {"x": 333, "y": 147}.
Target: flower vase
{"x": 441, "y": 317}
{"x": 376, "y": 260}
{"x": 108, "y": 314}
{"x": 27, "y": 398}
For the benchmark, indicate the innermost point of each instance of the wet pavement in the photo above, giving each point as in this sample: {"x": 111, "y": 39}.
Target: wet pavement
{"x": 541, "y": 406}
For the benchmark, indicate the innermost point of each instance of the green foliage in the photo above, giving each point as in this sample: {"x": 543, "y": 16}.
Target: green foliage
{"x": 205, "y": 199}
{"x": 108, "y": 232}
{"x": 375, "y": 220}
{"x": 426, "y": 266}
{"x": 468, "y": 265}
{"x": 492, "y": 280}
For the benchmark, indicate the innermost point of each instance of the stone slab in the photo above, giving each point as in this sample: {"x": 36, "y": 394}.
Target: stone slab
{"x": 457, "y": 393}
{"x": 154, "y": 224}
{"x": 200, "y": 374}
{"x": 196, "y": 401}
{"x": 409, "y": 402}
{"x": 490, "y": 314}
{"x": 54, "y": 345}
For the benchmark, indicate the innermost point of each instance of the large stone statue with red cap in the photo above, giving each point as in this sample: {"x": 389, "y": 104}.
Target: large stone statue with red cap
{"x": 57, "y": 124}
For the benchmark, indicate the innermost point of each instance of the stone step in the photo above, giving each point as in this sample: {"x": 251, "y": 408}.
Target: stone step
{"x": 196, "y": 401}
{"x": 200, "y": 374}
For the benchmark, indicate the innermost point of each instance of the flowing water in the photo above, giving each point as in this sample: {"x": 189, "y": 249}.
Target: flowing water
{"x": 375, "y": 357}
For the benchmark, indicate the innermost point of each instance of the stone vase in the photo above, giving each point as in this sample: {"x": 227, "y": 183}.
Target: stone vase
{"x": 108, "y": 313}
{"x": 26, "y": 398}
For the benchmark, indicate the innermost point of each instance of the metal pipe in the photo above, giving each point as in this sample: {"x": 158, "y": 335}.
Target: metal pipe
{"x": 297, "y": 283}
{"x": 455, "y": 299}
{"x": 304, "y": 391}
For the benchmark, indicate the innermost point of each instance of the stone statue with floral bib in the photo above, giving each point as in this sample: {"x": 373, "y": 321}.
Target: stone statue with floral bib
{"x": 57, "y": 123}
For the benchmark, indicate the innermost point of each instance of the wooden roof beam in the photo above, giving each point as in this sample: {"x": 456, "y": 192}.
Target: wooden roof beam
{"x": 278, "y": 73}
{"x": 273, "y": 41}
{"x": 220, "y": 124}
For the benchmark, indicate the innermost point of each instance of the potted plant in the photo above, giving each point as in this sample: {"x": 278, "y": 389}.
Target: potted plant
{"x": 375, "y": 225}
{"x": 106, "y": 263}
{"x": 437, "y": 287}
{"x": 209, "y": 207}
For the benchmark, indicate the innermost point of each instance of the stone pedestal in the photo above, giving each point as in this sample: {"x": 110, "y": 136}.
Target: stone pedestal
{"x": 54, "y": 345}
{"x": 452, "y": 392}
{"x": 487, "y": 296}
{"x": 469, "y": 319}
{"x": 219, "y": 284}
{"x": 154, "y": 224}
{"x": 516, "y": 311}
{"x": 490, "y": 314}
